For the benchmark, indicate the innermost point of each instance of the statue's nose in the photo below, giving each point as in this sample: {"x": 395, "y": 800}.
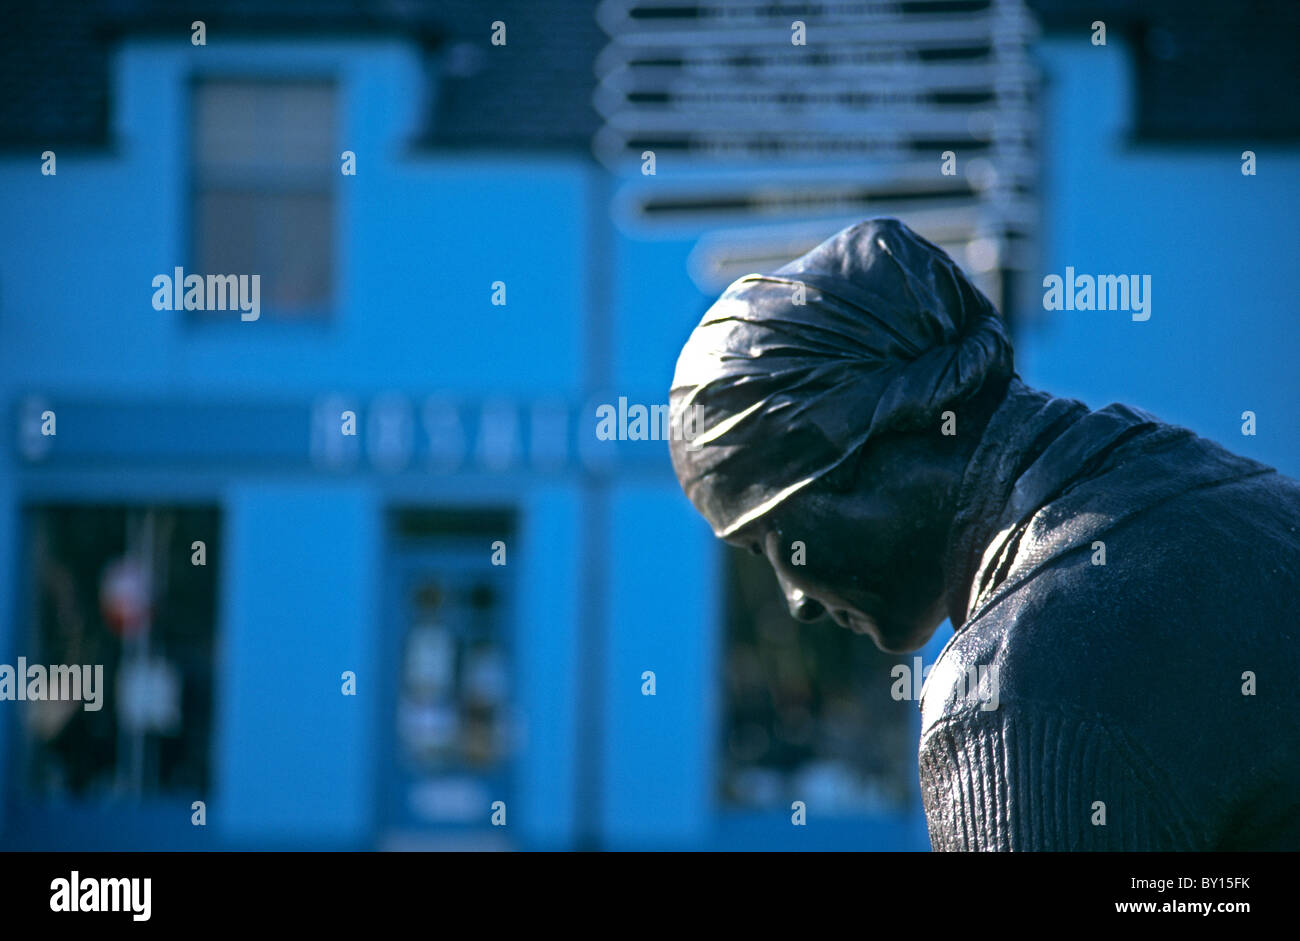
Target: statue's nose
{"x": 803, "y": 608}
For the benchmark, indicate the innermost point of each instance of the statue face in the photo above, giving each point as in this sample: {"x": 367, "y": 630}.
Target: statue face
{"x": 871, "y": 557}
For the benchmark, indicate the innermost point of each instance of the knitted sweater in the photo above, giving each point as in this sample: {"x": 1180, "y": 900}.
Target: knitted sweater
{"x": 1130, "y": 590}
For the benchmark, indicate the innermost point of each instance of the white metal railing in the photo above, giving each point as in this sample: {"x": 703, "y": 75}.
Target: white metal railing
{"x": 761, "y": 145}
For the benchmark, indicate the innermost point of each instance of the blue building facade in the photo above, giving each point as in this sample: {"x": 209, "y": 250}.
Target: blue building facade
{"x": 430, "y": 597}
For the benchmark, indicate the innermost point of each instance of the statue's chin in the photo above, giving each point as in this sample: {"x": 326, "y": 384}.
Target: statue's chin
{"x": 896, "y": 638}
{"x": 903, "y": 646}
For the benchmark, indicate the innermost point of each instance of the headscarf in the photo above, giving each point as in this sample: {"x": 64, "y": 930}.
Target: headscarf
{"x": 774, "y": 393}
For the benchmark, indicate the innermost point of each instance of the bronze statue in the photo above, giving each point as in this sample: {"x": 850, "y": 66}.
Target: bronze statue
{"x": 1130, "y": 587}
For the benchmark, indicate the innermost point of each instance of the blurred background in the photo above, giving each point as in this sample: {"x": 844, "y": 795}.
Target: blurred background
{"x": 546, "y": 196}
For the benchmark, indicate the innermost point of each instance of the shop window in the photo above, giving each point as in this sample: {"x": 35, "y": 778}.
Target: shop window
{"x": 808, "y": 711}
{"x": 126, "y": 592}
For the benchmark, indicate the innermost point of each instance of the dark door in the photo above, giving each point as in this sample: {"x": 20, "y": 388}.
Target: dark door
{"x": 446, "y": 726}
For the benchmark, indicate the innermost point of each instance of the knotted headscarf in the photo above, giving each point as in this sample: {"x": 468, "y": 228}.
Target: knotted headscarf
{"x": 774, "y": 393}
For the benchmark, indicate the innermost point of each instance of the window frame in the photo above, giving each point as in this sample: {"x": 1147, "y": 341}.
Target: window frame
{"x": 309, "y": 318}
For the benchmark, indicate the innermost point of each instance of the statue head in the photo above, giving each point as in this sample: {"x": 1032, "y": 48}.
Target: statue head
{"x": 834, "y": 405}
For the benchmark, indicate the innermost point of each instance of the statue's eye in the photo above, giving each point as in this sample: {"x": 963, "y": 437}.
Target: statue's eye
{"x": 755, "y": 548}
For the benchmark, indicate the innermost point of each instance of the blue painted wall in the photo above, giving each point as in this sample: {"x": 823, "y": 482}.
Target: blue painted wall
{"x": 663, "y": 609}
{"x": 300, "y": 604}
{"x": 1224, "y": 336}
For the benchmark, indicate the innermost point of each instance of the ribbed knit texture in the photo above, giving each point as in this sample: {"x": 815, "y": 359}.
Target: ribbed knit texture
{"x": 1027, "y": 779}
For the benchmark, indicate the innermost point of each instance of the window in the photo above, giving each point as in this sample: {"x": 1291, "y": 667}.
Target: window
{"x": 265, "y": 163}
{"x": 121, "y": 588}
{"x": 808, "y": 709}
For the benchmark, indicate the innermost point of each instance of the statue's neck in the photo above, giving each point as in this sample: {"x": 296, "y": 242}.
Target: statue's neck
{"x": 1020, "y": 429}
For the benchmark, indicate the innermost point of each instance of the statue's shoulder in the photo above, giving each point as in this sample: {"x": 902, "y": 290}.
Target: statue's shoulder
{"x": 1147, "y": 617}
{"x": 1163, "y": 513}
